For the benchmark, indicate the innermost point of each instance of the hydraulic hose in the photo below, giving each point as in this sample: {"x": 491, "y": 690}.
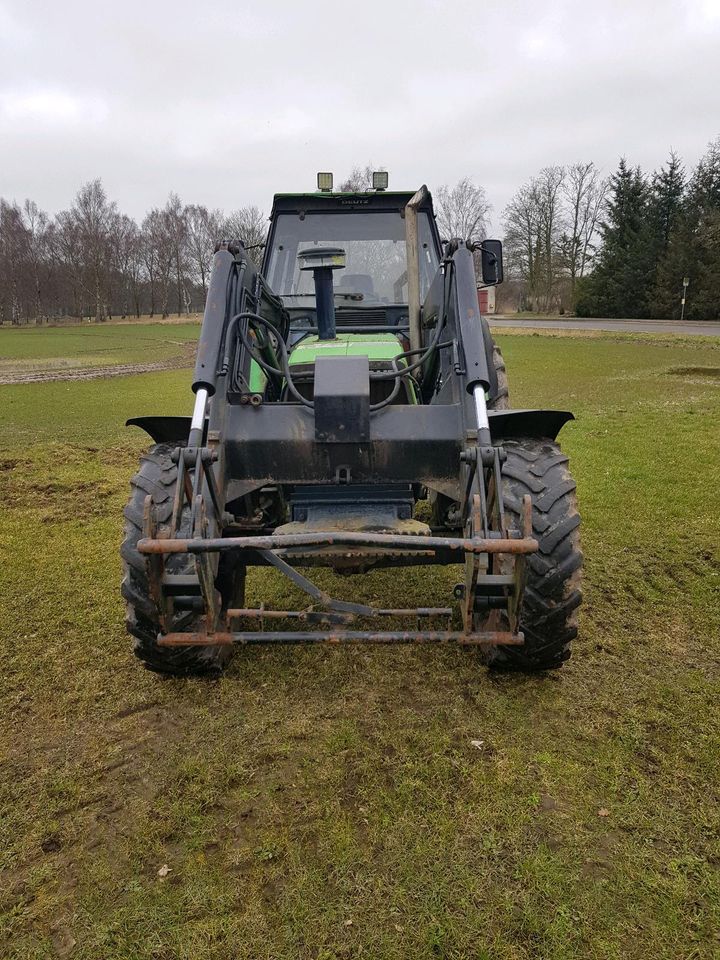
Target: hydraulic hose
{"x": 397, "y": 373}
{"x": 284, "y": 369}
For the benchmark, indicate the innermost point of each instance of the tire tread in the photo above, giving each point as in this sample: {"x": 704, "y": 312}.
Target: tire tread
{"x": 157, "y": 476}
{"x": 553, "y": 593}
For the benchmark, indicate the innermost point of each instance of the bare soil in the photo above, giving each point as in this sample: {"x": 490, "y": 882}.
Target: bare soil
{"x": 48, "y": 373}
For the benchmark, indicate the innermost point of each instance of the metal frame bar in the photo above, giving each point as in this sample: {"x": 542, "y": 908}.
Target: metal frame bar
{"x": 341, "y": 637}
{"x": 396, "y": 542}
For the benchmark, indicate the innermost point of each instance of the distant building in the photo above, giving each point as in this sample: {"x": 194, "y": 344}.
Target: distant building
{"x": 486, "y": 300}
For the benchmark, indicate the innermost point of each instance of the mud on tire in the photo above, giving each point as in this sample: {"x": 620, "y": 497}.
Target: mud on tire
{"x": 548, "y": 617}
{"x": 157, "y": 476}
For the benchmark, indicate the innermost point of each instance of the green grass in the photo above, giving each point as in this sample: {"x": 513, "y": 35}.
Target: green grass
{"x": 328, "y": 803}
{"x": 91, "y": 345}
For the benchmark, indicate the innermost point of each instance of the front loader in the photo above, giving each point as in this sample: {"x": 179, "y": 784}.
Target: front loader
{"x": 346, "y": 383}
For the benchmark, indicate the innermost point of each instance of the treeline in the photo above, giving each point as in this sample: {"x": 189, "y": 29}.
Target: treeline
{"x": 658, "y": 231}
{"x": 93, "y": 261}
{"x": 551, "y": 229}
{"x": 619, "y": 246}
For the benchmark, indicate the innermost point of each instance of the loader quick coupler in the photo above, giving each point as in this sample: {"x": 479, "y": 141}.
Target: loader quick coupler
{"x": 350, "y": 413}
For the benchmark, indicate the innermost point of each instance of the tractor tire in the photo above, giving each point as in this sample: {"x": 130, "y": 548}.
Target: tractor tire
{"x": 548, "y": 617}
{"x": 158, "y": 476}
{"x": 501, "y": 401}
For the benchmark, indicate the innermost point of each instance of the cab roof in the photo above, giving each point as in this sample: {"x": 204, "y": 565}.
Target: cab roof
{"x": 321, "y": 202}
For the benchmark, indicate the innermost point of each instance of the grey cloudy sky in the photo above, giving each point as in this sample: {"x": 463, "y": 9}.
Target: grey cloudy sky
{"x": 227, "y": 102}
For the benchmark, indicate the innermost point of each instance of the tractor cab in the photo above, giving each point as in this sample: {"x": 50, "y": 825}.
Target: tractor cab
{"x": 369, "y": 231}
{"x": 339, "y": 263}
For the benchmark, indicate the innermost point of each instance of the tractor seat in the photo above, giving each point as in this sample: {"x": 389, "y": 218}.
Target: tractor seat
{"x": 357, "y": 283}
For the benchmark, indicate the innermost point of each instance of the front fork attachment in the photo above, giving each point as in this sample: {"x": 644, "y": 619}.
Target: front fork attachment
{"x": 196, "y": 486}
{"x": 484, "y": 516}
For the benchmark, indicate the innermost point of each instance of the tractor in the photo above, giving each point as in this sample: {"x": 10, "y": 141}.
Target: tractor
{"x": 351, "y": 411}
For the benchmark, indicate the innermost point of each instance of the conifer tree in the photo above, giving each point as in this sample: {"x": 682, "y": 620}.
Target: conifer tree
{"x": 704, "y": 238}
{"x": 621, "y": 282}
{"x": 667, "y": 216}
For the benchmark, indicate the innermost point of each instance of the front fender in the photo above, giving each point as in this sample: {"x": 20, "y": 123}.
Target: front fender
{"x": 515, "y": 424}
{"x": 163, "y": 429}
{"x": 504, "y": 425}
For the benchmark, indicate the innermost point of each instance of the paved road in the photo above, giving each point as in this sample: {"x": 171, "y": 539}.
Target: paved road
{"x": 697, "y": 328}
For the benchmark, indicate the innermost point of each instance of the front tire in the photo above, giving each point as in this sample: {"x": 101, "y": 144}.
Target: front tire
{"x": 158, "y": 476}
{"x": 548, "y": 617}
{"x": 501, "y": 401}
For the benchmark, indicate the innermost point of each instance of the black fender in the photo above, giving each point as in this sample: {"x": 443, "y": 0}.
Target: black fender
{"x": 163, "y": 429}
{"x": 504, "y": 425}
{"x": 516, "y": 424}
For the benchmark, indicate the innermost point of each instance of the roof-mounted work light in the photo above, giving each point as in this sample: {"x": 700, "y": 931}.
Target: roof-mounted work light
{"x": 325, "y": 182}
{"x": 380, "y": 180}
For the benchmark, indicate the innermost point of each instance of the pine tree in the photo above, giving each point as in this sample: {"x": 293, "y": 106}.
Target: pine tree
{"x": 704, "y": 239}
{"x": 666, "y": 199}
{"x": 666, "y": 218}
{"x": 621, "y": 282}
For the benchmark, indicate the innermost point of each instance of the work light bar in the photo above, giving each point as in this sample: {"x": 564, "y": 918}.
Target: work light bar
{"x": 380, "y": 180}
{"x": 325, "y": 182}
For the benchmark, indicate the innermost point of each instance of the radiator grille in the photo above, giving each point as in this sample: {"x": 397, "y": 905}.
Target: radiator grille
{"x": 360, "y": 315}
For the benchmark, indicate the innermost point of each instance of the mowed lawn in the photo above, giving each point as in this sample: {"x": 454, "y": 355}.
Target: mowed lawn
{"x": 324, "y": 803}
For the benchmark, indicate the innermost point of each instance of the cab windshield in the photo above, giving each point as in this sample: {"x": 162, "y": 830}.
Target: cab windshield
{"x": 375, "y": 255}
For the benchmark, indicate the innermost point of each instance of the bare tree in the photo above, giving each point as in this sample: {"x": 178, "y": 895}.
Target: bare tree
{"x": 176, "y": 234}
{"x": 134, "y": 267}
{"x": 249, "y": 226}
{"x": 157, "y": 258}
{"x": 84, "y": 241}
{"x": 204, "y": 228}
{"x": 521, "y": 236}
{"x": 359, "y": 180}
{"x": 548, "y": 189}
{"x": 13, "y": 257}
{"x": 462, "y": 211}
{"x": 39, "y": 235}
{"x": 123, "y": 241}
{"x": 584, "y": 192}
{"x": 533, "y": 228}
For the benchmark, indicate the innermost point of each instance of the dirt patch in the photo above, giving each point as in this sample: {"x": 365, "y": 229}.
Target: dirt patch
{"x": 59, "y": 501}
{"x": 46, "y": 375}
{"x": 707, "y": 373}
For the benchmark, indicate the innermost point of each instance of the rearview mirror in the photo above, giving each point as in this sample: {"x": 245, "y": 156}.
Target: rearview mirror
{"x": 491, "y": 261}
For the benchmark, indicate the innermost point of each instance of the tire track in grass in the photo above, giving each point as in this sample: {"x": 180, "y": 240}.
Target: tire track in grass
{"x": 183, "y": 360}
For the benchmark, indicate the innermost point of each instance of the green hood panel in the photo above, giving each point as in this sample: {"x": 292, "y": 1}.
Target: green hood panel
{"x": 375, "y": 346}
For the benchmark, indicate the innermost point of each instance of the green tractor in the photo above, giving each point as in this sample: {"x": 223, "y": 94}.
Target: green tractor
{"x": 338, "y": 387}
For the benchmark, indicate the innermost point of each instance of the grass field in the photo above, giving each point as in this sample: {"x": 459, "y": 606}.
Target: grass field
{"x": 68, "y": 351}
{"x": 329, "y": 803}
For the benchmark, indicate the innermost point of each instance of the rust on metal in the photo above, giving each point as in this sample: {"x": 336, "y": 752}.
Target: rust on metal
{"x": 287, "y": 541}
{"x": 472, "y": 564}
{"x": 526, "y": 514}
{"x": 258, "y": 613}
{"x": 341, "y": 637}
{"x": 206, "y": 573}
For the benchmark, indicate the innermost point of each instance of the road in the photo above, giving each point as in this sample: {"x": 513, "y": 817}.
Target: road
{"x": 696, "y": 328}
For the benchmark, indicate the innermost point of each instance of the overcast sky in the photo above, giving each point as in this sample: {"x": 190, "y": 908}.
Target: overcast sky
{"x": 226, "y": 103}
